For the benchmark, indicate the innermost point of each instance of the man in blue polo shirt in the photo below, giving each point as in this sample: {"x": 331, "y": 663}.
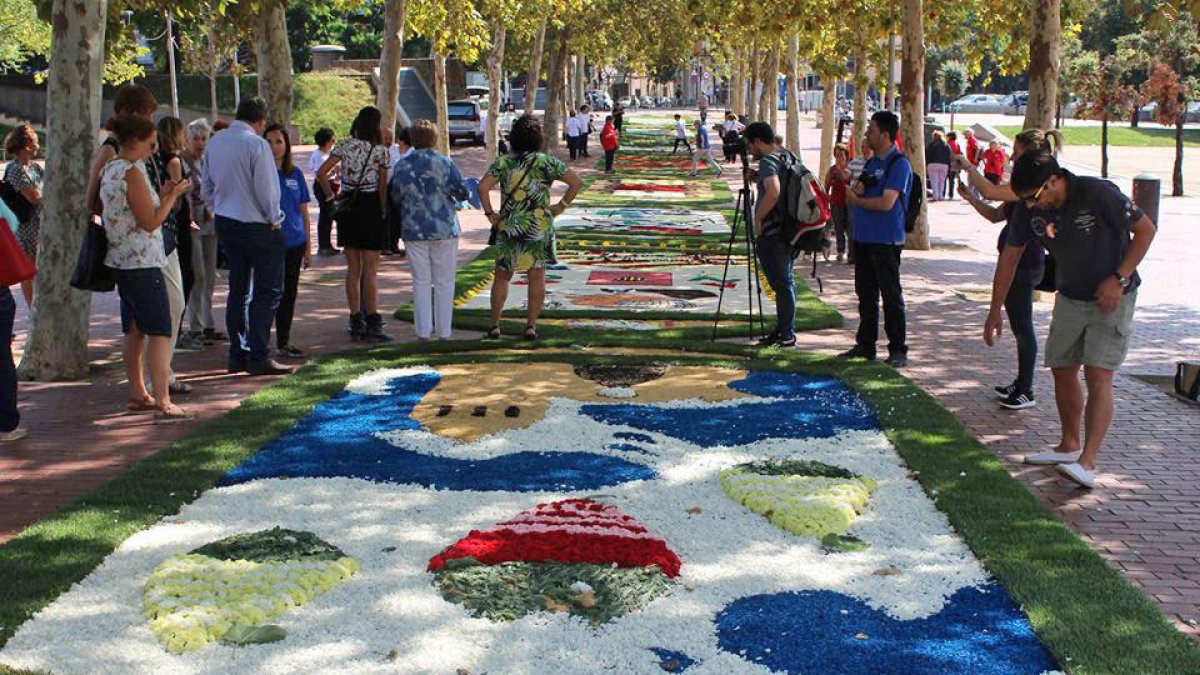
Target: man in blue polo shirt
{"x": 1098, "y": 238}
{"x": 877, "y": 199}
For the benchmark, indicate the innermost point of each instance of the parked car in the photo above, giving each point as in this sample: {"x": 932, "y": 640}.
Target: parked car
{"x": 662, "y": 101}
{"x": 599, "y": 100}
{"x": 625, "y": 102}
{"x": 465, "y": 121}
{"x": 978, "y": 103}
{"x": 1192, "y": 115}
{"x": 646, "y": 102}
{"x": 1015, "y": 103}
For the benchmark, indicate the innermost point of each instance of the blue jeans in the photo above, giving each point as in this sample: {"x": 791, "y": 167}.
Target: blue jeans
{"x": 775, "y": 256}
{"x": 9, "y": 417}
{"x": 255, "y": 254}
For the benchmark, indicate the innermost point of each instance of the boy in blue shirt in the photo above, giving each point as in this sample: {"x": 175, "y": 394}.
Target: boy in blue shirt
{"x": 877, "y": 200}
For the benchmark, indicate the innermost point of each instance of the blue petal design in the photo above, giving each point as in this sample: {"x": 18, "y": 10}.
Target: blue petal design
{"x": 633, "y": 436}
{"x": 337, "y": 441}
{"x": 802, "y": 406}
{"x": 667, "y": 655}
{"x": 979, "y": 631}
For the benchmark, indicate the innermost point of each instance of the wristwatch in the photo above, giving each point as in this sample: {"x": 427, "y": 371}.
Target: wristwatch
{"x": 1122, "y": 280}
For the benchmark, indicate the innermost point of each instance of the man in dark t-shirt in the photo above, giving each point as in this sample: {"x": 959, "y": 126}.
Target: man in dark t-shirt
{"x": 1098, "y": 238}
{"x": 773, "y": 251}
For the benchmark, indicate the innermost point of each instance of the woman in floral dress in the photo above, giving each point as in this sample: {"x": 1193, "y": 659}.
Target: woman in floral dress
{"x": 25, "y": 177}
{"x": 524, "y": 225}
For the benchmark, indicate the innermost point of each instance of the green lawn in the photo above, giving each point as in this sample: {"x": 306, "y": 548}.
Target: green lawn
{"x": 1082, "y": 609}
{"x": 1150, "y": 135}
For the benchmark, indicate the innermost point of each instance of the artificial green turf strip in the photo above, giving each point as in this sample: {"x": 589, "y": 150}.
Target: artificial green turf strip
{"x": 1085, "y": 613}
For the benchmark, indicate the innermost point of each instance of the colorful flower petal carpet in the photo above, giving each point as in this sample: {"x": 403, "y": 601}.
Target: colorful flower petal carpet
{"x": 565, "y": 518}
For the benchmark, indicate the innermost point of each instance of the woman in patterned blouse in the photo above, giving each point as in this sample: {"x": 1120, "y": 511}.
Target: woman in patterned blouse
{"x": 25, "y": 177}
{"x": 524, "y": 224}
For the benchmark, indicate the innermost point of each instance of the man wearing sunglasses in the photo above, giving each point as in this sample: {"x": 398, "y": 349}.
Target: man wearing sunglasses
{"x": 1098, "y": 237}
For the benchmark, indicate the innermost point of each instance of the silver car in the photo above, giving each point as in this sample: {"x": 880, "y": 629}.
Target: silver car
{"x": 978, "y": 103}
{"x": 465, "y": 121}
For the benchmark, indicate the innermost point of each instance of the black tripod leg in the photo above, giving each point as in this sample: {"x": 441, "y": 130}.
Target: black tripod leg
{"x": 737, "y": 218}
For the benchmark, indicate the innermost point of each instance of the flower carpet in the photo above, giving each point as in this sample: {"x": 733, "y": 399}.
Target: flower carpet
{"x": 638, "y": 189}
{"x": 565, "y": 518}
{"x": 641, "y": 222}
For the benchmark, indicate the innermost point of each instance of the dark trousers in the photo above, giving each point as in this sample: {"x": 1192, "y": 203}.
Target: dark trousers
{"x": 876, "y": 274}
{"x": 951, "y": 183}
{"x": 9, "y": 417}
{"x": 583, "y": 145}
{"x": 1018, "y": 304}
{"x": 685, "y": 144}
{"x": 573, "y": 146}
{"x": 292, "y": 259}
{"x": 184, "y": 244}
{"x": 775, "y": 256}
{"x": 256, "y": 255}
{"x": 840, "y": 215}
{"x": 325, "y": 219}
{"x": 609, "y": 157}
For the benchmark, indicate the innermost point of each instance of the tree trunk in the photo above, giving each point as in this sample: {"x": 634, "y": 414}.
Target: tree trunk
{"x": 494, "y": 60}
{"x": 755, "y": 70}
{"x": 275, "y": 84}
{"x": 860, "y": 101}
{"x": 551, "y": 128}
{"x": 57, "y": 344}
{"x": 771, "y": 89}
{"x": 443, "y": 111}
{"x": 828, "y": 124}
{"x": 1177, "y": 173}
{"x": 535, "y": 70}
{"x": 737, "y": 83}
{"x": 793, "y": 99}
{"x": 1044, "y": 43}
{"x": 912, "y": 106}
{"x": 1104, "y": 146}
{"x": 889, "y": 101}
{"x": 387, "y": 98}
{"x": 580, "y": 82}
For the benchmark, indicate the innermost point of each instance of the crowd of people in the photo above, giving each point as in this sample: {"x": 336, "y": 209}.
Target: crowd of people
{"x": 174, "y": 200}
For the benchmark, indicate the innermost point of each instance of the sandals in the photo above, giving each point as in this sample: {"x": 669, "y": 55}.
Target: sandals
{"x": 171, "y": 413}
{"x": 530, "y": 333}
{"x": 145, "y": 405}
{"x": 493, "y": 333}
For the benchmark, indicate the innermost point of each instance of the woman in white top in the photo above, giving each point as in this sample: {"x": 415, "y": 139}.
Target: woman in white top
{"x": 133, "y": 218}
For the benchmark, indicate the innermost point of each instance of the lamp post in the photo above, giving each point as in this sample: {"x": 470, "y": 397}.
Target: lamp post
{"x": 171, "y": 64}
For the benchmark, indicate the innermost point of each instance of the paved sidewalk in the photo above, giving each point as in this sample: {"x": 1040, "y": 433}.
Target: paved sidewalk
{"x": 1144, "y": 516}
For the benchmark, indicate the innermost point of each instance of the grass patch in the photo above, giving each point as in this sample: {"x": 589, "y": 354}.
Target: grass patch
{"x": 329, "y": 99}
{"x": 1120, "y": 135}
{"x": 1089, "y": 617}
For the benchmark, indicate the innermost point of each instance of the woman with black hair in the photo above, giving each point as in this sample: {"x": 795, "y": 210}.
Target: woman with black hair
{"x": 293, "y": 201}
{"x": 524, "y": 224}
{"x": 359, "y": 209}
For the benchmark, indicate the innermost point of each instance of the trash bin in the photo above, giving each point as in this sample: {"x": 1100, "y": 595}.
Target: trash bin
{"x": 1147, "y": 188}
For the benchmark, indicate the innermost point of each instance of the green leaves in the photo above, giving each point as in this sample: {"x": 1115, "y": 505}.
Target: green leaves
{"x": 274, "y": 544}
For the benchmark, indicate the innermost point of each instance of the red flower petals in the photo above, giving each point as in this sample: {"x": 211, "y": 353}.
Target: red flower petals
{"x": 570, "y": 531}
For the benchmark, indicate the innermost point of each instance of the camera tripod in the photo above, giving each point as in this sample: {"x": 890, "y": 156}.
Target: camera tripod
{"x": 743, "y": 217}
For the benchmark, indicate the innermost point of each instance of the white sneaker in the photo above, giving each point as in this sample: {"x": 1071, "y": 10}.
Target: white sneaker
{"x": 1078, "y": 474}
{"x": 14, "y": 435}
{"x": 1052, "y": 457}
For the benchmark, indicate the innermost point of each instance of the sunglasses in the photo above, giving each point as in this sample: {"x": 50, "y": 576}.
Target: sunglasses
{"x": 1032, "y": 199}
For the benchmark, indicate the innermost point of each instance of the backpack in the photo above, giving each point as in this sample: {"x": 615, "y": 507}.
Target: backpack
{"x": 915, "y": 197}
{"x": 803, "y": 207}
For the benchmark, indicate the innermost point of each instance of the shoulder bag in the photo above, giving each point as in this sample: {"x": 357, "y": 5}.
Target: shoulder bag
{"x": 91, "y": 274}
{"x": 15, "y": 266}
{"x": 349, "y": 198}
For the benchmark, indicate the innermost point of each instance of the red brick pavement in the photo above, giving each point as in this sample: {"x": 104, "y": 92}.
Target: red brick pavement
{"x": 1144, "y": 516}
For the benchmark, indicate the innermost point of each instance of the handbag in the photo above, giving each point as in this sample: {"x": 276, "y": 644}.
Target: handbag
{"x": 1187, "y": 380}
{"x": 347, "y": 201}
{"x": 15, "y": 266}
{"x": 91, "y": 274}
{"x": 16, "y": 202}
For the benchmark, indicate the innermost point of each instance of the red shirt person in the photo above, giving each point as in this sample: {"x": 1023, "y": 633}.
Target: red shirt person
{"x": 609, "y": 141}
{"x": 994, "y": 159}
{"x": 973, "y": 154}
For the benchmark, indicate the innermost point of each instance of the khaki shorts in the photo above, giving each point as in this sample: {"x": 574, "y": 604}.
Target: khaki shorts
{"x": 1081, "y": 335}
